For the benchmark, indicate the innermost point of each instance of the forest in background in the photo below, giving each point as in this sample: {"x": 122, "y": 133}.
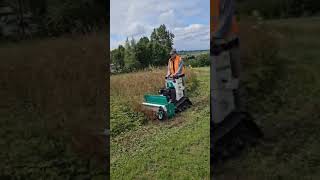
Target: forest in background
{"x": 26, "y": 19}
{"x": 275, "y": 9}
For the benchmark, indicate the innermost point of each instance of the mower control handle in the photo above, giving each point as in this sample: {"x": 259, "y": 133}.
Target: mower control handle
{"x": 175, "y": 77}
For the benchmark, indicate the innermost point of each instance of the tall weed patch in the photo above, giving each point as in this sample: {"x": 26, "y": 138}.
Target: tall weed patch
{"x": 52, "y": 100}
{"x": 262, "y": 66}
{"x": 127, "y": 92}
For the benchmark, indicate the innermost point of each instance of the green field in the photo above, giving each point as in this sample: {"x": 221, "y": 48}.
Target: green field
{"x": 174, "y": 149}
{"x": 193, "y": 53}
{"x": 289, "y": 115}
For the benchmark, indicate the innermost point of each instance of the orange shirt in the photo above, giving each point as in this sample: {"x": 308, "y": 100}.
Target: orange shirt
{"x": 175, "y": 66}
{"x": 223, "y": 22}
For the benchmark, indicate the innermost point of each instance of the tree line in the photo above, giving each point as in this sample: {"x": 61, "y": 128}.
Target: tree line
{"x": 145, "y": 52}
{"x": 272, "y": 9}
{"x": 46, "y": 18}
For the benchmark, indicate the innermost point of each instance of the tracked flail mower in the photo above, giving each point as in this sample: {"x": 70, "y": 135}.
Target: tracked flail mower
{"x": 171, "y": 100}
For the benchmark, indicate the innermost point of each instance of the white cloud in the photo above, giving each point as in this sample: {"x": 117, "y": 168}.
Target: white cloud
{"x": 114, "y": 43}
{"x": 170, "y": 19}
{"x": 137, "y": 18}
{"x": 135, "y": 30}
{"x": 192, "y": 37}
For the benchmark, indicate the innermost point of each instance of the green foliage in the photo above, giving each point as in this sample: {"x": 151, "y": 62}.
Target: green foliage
{"x": 129, "y": 56}
{"x": 145, "y": 52}
{"x": 162, "y": 36}
{"x": 65, "y": 16}
{"x": 57, "y": 17}
{"x": 173, "y": 149}
{"x": 162, "y": 41}
{"x": 159, "y": 54}
{"x": 279, "y": 8}
{"x": 199, "y": 60}
{"x": 117, "y": 57}
{"x": 192, "y": 84}
{"x": 123, "y": 118}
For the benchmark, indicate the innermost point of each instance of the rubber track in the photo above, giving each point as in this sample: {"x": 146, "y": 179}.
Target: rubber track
{"x": 240, "y": 131}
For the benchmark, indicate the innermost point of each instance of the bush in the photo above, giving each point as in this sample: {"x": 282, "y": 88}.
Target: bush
{"x": 192, "y": 83}
{"x": 199, "y": 61}
{"x": 124, "y": 118}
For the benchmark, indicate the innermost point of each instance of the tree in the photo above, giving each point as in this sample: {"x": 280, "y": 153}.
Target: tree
{"x": 121, "y": 52}
{"x": 159, "y": 54}
{"x": 144, "y": 52}
{"x": 200, "y": 60}
{"x": 162, "y": 42}
{"x": 280, "y": 8}
{"x": 133, "y": 43}
{"x": 136, "y": 55}
{"x": 163, "y": 37}
{"x": 117, "y": 57}
{"x": 131, "y": 62}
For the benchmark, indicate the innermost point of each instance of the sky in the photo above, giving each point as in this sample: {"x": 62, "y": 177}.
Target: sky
{"x": 188, "y": 20}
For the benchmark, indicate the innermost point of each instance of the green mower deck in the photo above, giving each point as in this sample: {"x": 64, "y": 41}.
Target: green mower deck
{"x": 160, "y": 105}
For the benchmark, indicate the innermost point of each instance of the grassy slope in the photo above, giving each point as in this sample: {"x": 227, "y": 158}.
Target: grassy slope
{"x": 49, "y": 118}
{"x": 176, "y": 149}
{"x": 290, "y": 116}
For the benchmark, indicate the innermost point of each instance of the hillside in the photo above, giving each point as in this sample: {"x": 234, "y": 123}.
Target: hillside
{"x": 51, "y": 109}
{"x": 177, "y": 148}
{"x": 289, "y": 114}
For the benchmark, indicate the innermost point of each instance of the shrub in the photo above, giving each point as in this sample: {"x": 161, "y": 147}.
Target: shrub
{"x": 199, "y": 61}
{"x": 192, "y": 83}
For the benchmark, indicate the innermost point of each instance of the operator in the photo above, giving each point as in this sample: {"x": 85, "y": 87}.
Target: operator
{"x": 224, "y": 37}
{"x": 175, "y": 65}
{"x": 223, "y": 22}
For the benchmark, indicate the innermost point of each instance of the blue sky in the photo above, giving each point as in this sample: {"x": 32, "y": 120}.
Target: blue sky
{"x": 187, "y": 19}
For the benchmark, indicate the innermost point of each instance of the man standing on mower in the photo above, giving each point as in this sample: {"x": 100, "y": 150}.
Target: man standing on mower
{"x": 175, "y": 65}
